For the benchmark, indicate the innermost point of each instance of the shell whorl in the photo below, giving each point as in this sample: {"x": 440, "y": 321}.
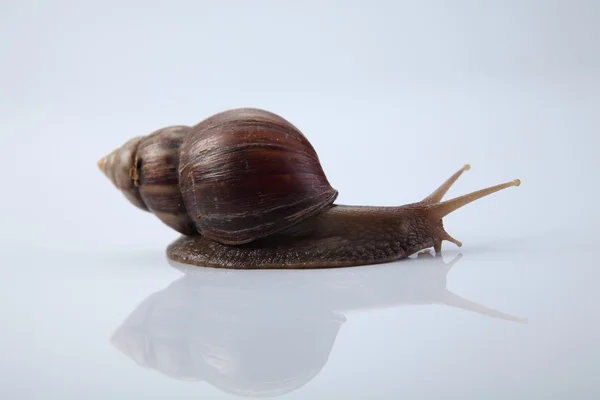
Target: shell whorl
{"x": 248, "y": 173}
{"x": 145, "y": 169}
{"x": 235, "y": 177}
{"x": 117, "y": 168}
{"x": 158, "y": 162}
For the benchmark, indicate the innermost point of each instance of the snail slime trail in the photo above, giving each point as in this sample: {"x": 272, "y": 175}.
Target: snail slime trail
{"x": 246, "y": 190}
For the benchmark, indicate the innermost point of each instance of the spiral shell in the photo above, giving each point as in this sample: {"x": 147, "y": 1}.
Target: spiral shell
{"x": 235, "y": 177}
{"x": 247, "y": 173}
{"x": 157, "y": 177}
{"x": 145, "y": 169}
{"x": 117, "y": 168}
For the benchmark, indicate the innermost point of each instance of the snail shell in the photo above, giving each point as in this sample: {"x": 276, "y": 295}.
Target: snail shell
{"x": 237, "y": 176}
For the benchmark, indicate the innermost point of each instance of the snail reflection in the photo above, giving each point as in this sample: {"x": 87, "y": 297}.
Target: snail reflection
{"x": 266, "y": 333}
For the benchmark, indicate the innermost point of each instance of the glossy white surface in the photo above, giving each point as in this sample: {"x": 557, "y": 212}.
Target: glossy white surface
{"x": 499, "y": 323}
{"x": 395, "y": 97}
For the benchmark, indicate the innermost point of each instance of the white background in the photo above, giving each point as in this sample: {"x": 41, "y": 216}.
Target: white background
{"x": 394, "y": 96}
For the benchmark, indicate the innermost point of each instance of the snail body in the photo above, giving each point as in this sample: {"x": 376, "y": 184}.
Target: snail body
{"x": 245, "y": 188}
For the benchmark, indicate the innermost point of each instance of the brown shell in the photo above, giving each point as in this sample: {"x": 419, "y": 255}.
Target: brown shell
{"x": 247, "y": 173}
{"x": 117, "y": 166}
{"x": 155, "y": 173}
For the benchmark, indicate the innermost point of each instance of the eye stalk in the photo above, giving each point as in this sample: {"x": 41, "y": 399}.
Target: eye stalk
{"x": 435, "y": 210}
{"x": 441, "y": 191}
{"x": 440, "y": 210}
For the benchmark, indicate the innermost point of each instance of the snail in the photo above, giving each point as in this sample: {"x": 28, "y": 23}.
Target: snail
{"x": 246, "y": 190}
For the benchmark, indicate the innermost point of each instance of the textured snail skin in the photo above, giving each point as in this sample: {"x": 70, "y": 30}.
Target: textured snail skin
{"x": 340, "y": 236}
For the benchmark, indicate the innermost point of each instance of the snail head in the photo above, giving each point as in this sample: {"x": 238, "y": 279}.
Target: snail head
{"x": 433, "y": 209}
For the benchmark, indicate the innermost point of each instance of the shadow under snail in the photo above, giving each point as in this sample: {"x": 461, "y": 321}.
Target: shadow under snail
{"x": 246, "y": 190}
